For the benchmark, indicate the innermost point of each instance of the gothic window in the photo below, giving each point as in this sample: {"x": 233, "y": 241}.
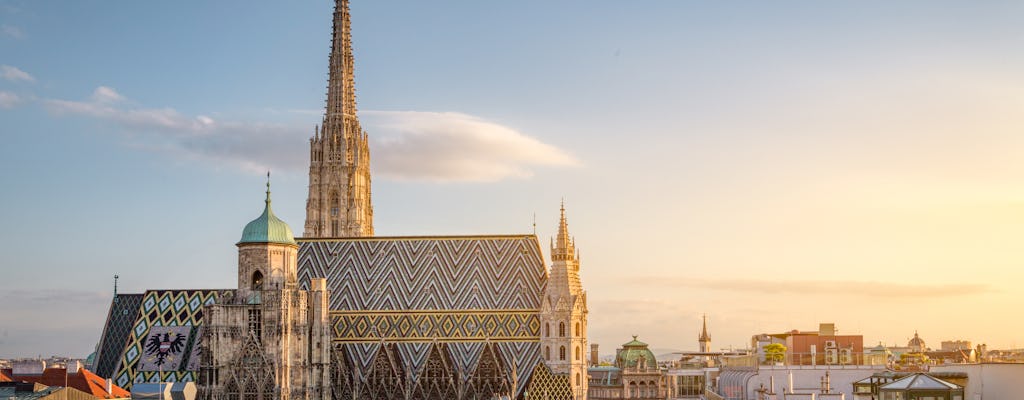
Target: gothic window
{"x": 547, "y": 353}
{"x": 335, "y": 203}
{"x": 561, "y": 329}
{"x": 577, "y": 329}
{"x": 577, "y": 379}
{"x": 577, "y": 355}
{"x": 547, "y": 329}
{"x": 561, "y": 353}
{"x": 257, "y": 280}
{"x": 256, "y": 324}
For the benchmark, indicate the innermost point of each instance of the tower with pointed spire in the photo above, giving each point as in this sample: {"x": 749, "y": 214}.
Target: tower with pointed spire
{"x": 339, "y": 203}
{"x": 564, "y": 312}
{"x": 704, "y": 340}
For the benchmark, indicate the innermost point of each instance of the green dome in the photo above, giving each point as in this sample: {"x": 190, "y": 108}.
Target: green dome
{"x": 631, "y": 353}
{"x": 267, "y": 228}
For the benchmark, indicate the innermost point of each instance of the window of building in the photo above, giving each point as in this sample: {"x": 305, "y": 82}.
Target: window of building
{"x": 561, "y": 353}
{"x": 547, "y": 353}
{"x": 561, "y": 329}
{"x": 257, "y": 280}
{"x": 578, "y": 329}
{"x": 577, "y": 353}
{"x": 256, "y": 324}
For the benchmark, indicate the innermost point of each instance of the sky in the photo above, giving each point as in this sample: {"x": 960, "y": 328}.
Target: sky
{"x": 773, "y": 165}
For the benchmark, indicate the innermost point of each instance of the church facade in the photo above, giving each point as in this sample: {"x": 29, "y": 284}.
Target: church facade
{"x": 342, "y": 314}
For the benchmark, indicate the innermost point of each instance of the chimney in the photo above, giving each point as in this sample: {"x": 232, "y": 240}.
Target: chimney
{"x": 110, "y": 385}
{"x": 29, "y": 367}
{"x": 74, "y": 366}
{"x": 594, "y": 358}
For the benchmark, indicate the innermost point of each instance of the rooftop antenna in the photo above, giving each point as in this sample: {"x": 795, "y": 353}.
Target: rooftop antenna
{"x": 115, "y": 288}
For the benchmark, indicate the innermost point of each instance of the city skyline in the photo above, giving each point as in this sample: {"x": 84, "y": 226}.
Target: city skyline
{"x": 773, "y": 175}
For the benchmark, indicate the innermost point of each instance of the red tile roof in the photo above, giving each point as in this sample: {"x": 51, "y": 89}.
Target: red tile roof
{"x": 5, "y": 375}
{"x": 84, "y": 380}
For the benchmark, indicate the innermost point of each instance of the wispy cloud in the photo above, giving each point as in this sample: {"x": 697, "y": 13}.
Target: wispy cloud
{"x": 11, "y": 31}
{"x": 454, "y": 147}
{"x": 245, "y": 145}
{"x": 14, "y": 74}
{"x": 9, "y": 99}
{"x": 811, "y": 287}
{"x": 406, "y": 145}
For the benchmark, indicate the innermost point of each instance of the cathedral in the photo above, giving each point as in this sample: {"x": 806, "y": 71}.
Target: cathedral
{"x": 340, "y": 313}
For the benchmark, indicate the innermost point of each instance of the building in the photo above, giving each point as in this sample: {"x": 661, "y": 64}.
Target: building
{"x": 916, "y": 344}
{"x": 268, "y": 339}
{"x": 985, "y": 381}
{"x": 822, "y": 347}
{"x": 563, "y": 312}
{"x": 792, "y": 381}
{"x": 342, "y": 313}
{"x": 72, "y": 376}
{"x": 635, "y": 375}
{"x": 953, "y": 345}
{"x": 920, "y": 386}
{"x": 339, "y": 203}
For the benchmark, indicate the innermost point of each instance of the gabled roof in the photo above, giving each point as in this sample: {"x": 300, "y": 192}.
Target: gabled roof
{"x": 83, "y": 380}
{"x": 920, "y": 382}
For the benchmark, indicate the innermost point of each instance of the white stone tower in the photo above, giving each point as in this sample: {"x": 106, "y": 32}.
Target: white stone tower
{"x": 564, "y": 313}
{"x": 339, "y": 203}
{"x": 268, "y": 339}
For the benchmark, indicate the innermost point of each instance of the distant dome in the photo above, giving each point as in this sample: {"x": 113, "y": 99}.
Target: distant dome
{"x": 267, "y": 228}
{"x": 916, "y": 342}
{"x": 632, "y": 353}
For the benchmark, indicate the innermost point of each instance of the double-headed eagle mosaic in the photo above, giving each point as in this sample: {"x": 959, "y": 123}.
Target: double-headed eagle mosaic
{"x": 163, "y": 347}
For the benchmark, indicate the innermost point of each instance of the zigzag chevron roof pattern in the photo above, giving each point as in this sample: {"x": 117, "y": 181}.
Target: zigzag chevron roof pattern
{"x": 427, "y": 273}
{"x": 411, "y": 294}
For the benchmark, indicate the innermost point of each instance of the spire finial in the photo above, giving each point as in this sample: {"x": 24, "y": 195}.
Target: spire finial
{"x": 268, "y": 187}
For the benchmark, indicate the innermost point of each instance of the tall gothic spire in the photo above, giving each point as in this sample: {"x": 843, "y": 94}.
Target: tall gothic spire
{"x": 341, "y": 90}
{"x": 704, "y": 337}
{"x": 563, "y": 247}
{"x": 339, "y": 202}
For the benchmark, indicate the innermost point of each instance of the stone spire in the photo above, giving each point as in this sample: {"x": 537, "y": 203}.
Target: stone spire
{"x": 563, "y": 247}
{"x": 339, "y": 202}
{"x": 704, "y": 337}
{"x": 564, "y": 312}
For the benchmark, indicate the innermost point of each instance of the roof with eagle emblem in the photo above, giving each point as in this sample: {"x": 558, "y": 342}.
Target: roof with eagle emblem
{"x": 267, "y": 228}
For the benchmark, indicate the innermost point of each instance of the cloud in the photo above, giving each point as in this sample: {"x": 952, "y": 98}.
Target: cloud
{"x": 250, "y": 146}
{"x": 12, "y": 31}
{"x": 454, "y": 147}
{"x": 8, "y": 99}
{"x": 105, "y": 94}
{"x": 406, "y": 145}
{"x": 14, "y": 74}
{"x": 862, "y": 288}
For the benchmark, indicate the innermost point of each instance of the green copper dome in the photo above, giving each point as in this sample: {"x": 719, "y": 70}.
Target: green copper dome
{"x": 267, "y": 228}
{"x": 632, "y": 353}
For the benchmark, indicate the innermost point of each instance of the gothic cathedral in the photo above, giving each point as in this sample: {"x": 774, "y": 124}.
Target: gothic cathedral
{"x": 339, "y": 203}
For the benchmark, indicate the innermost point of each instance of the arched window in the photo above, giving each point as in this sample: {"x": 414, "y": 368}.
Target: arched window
{"x": 561, "y": 329}
{"x": 577, "y": 353}
{"x": 578, "y": 329}
{"x": 561, "y": 353}
{"x": 577, "y": 379}
{"x": 257, "y": 280}
{"x": 547, "y": 329}
{"x": 547, "y": 353}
